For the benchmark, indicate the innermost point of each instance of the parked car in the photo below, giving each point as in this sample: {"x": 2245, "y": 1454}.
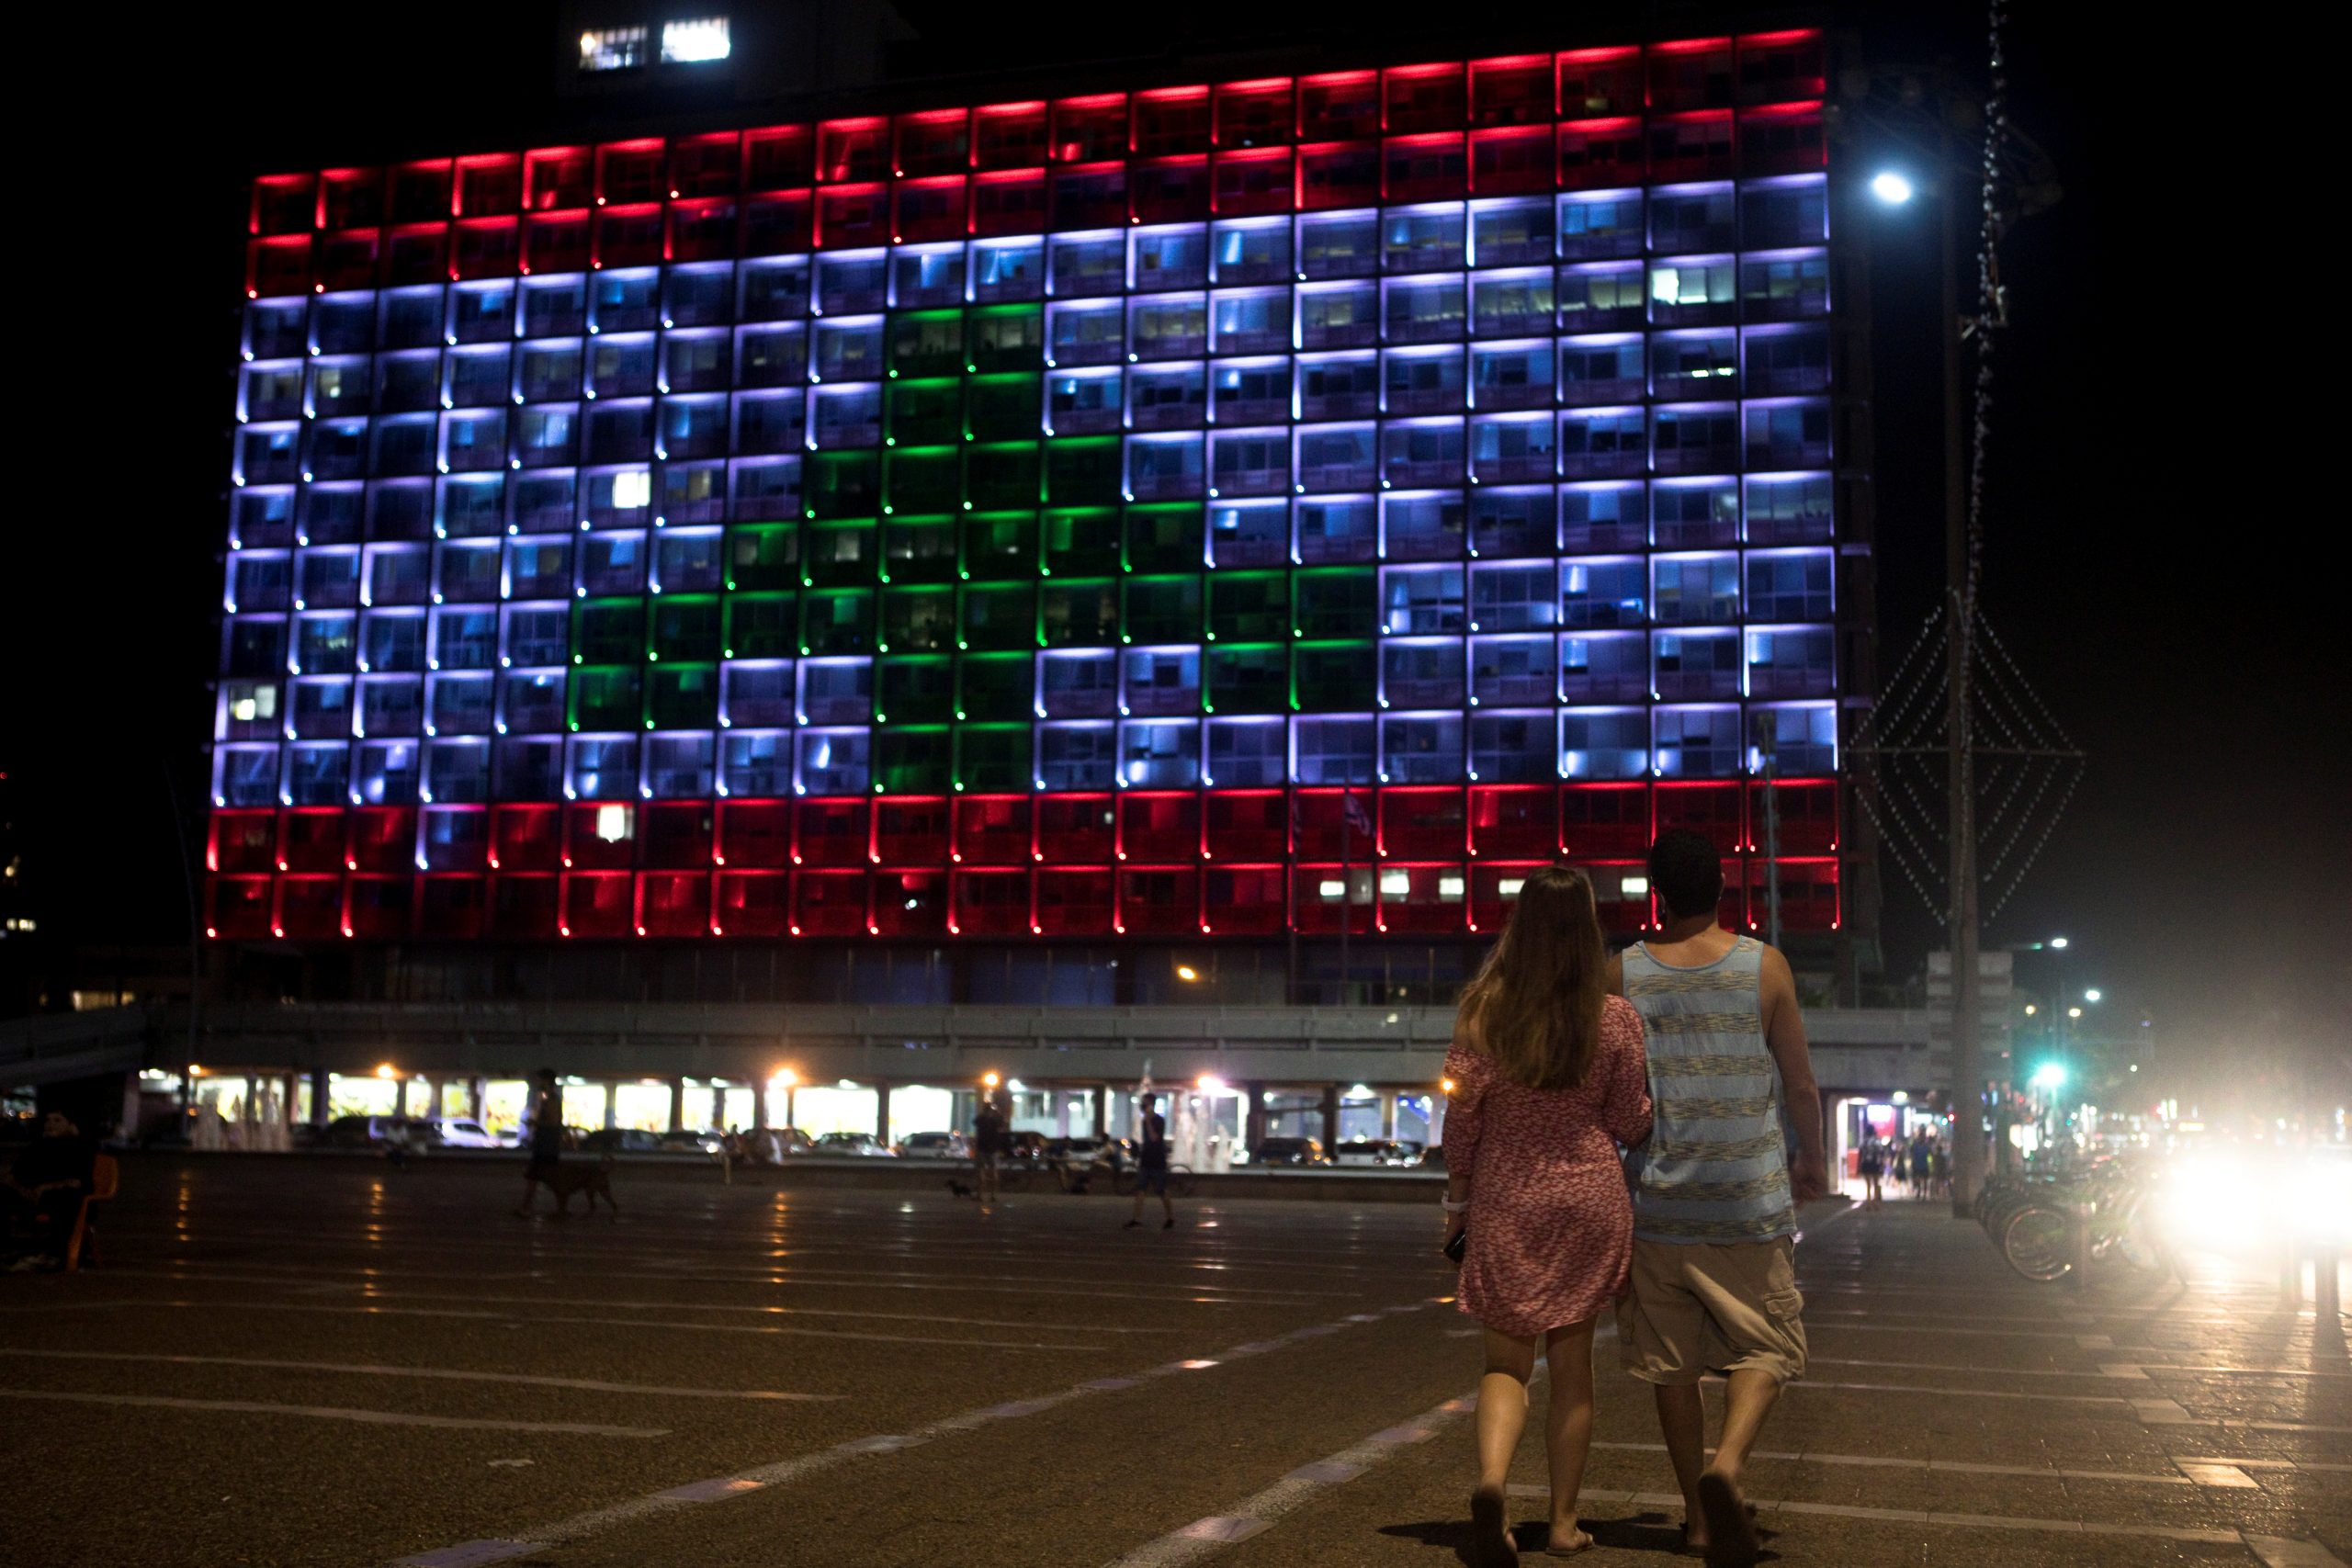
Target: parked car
{"x": 1378, "y": 1151}
{"x": 620, "y": 1141}
{"x": 1288, "y": 1151}
{"x": 1030, "y": 1146}
{"x": 376, "y": 1132}
{"x": 464, "y": 1133}
{"x": 706, "y": 1141}
{"x": 861, "y": 1144}
{"x": 935, "y": 1145}
{"x": 1089, "y": 1149}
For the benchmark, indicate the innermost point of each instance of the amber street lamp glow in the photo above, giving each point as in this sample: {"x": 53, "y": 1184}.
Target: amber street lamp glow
{"x": 990, "y": 1080}
{"x": 386, "y": 1070}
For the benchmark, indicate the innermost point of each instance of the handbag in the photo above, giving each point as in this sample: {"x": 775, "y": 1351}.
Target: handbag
{"x": 1459, "y": 1245}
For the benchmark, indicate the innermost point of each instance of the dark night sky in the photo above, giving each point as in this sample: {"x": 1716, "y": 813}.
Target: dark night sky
{"x": 2200, "y": 868}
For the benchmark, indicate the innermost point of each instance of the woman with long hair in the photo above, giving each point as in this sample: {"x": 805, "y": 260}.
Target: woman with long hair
{"x": 1547, "y": 1079}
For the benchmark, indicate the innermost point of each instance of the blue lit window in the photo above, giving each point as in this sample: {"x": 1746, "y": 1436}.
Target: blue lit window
{"x": 1247, "y": 753}
{"x": 1252, "y": 249}
{"x": 758, "y": 765}
{"x": 1510, "y": 234}
{"x": 245, "y": 777}
{"x": 1508, "y": 303}
{"x": 1513, "y": 670}
{"x": 1160, "y": 753}
{"x": 1698, "y": 743}
{"x": 465, "y": 640}
{"x": 1421, "y": 526}
{"x": 1420, "y": 673}
{"x": 318, "y": 775}
{"x": 460, "y": 705}
{"x": 555, "y": 307}
{"x": 1334, "y": 750}
{"x": 1688, "y": 666}
{"x": 1604, "y": 743}
{"x": 1791, "y": 662}
{"x": 1600, "y": 223}
{"x": 1514, "y": 748}
{"x": 322, "y": 709}
{"x": 774, "y": 289}
{"x": 456, "y": 773}
{"x": 1514, "y": 596}
{"x": 536, "y": 635}
{"x": 1422, "y": 600}
{"x": 1512, "y": 375}
{"x": 1008, "y": 270}
{"x": 323, "y": 644}
{"x": 531, "y": 702}
{"x": 1077, "y": 756}
{"x": 679, "y": 766}
{"x": 387, "y": 773}
{"x": 1697, "y": 590}
{"x": 1421, "y": 748}
{"x": 1801, "y": 736}
{"x": 1791, "y": 586}
{"x": 1421, "y": 239}
{"x": 1605, "y": 593}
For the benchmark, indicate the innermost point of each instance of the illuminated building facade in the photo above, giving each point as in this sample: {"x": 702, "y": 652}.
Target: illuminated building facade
{"x": 1203, "y": 511}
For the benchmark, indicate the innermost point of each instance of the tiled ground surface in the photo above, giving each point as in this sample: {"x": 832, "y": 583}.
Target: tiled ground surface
{"x": 322, "y": 1364}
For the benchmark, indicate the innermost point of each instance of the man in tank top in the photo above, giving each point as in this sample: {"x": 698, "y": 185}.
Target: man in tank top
{"x": 1714, "y": 1195}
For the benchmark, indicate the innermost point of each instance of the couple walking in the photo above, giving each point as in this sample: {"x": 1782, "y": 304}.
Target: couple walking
{"x": 1552, "y": 1077}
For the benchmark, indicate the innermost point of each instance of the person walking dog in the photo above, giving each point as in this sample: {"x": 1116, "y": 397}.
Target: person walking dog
{"x": 1714, "y": 1195}
{"x": 1548, "y": 1081}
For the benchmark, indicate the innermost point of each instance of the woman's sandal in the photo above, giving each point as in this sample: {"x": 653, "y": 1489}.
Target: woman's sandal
{"x": 1581, "y": 1541}
{"x": 1490, "y": 1543}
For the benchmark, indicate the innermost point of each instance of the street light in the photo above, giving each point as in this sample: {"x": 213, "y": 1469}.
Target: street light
{"x": 2050, "y": 1075}
{"x": 1186, "y": 972}
{"x": 2092, "y": 995}
{"x": 2058, "y": 942}
{"x": 1892, "y": 187}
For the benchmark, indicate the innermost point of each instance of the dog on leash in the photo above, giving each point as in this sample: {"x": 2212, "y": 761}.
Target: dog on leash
{"x": 594, "y": 1181}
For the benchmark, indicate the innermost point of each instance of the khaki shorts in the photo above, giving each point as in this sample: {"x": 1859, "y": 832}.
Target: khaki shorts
{"x": 1698, "y": 1307}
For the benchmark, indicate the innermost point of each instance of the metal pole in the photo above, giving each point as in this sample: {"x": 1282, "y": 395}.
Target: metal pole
{"x": 1967, "y": 1067}
{"x": 1771, "y": 836}
{"x": 1347, "y": 880}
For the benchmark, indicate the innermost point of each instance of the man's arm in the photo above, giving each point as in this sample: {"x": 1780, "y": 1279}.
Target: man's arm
{"x": 1784, "y": 1037}
{"x": 1613, "y": 980}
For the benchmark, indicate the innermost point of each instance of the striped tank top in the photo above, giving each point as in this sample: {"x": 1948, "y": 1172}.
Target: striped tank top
{"x": 1714, "y": 1169}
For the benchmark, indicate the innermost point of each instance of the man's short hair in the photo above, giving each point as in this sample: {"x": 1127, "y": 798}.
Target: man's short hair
{"x": 545, "y": 1074}
{"x": 1685, "y": 872}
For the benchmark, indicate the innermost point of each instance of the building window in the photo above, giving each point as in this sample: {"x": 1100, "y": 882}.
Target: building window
{"x": 612, "y": 49}
{"x": 691, "y": 42}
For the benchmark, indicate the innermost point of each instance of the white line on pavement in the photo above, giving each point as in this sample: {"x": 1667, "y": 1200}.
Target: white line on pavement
{"x": 638, "y": 1323}
{"x": 1965, "y": 1467}
{"x": 742, "y": 1482}
{"x": 455, "y": 1374}
{"x": 374, "y": 1295}
{"x": 1255, "y": 1513}
{"x": 1901, "y": 1516}
{"x": 335, "y": 1412}
{"x": 2277, "y": 1551}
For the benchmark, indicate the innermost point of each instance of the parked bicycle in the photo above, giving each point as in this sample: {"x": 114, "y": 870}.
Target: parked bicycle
{"x": 2032, "y": 1219}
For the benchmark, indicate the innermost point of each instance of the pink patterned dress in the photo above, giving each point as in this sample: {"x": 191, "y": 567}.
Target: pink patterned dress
{"x": 1551, "y": 1226}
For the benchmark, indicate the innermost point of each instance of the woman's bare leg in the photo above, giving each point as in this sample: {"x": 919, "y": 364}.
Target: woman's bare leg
{"x": 1567, "y": 1425}
{"x": 1502, "y": 1417}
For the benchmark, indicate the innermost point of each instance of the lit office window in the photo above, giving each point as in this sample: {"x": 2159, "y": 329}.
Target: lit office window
{"x": 615, "y": 49}
{"x": 690, "y": 42}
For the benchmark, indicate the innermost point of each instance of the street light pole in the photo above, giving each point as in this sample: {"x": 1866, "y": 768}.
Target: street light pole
{"x": 1967, "y": 1046}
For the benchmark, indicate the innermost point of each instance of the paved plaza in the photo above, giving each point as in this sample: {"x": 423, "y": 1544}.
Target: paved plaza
{"x": 319, "y": 1362}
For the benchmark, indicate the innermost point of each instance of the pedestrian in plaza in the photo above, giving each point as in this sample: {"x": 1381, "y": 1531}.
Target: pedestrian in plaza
{"x": 42, "y": 1195}
{"x": 1714, "y": 1216}
{"x": 991, "y": 1136}
{"x": 1901, "y": 1158}
{"x": 545, "y": 1138}
{"x": 1923, "y": 1164}
{"x": 1151, "y": 1164}
{"x": 1872, "y": 1164}
{"x": 1547, "y": 1082}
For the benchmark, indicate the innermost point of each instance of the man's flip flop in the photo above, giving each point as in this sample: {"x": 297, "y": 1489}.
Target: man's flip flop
{"x": 1731, "y": 1529}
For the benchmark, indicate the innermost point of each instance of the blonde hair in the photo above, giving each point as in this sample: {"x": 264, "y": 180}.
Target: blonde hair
{"x": 1535, "y": 1003}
